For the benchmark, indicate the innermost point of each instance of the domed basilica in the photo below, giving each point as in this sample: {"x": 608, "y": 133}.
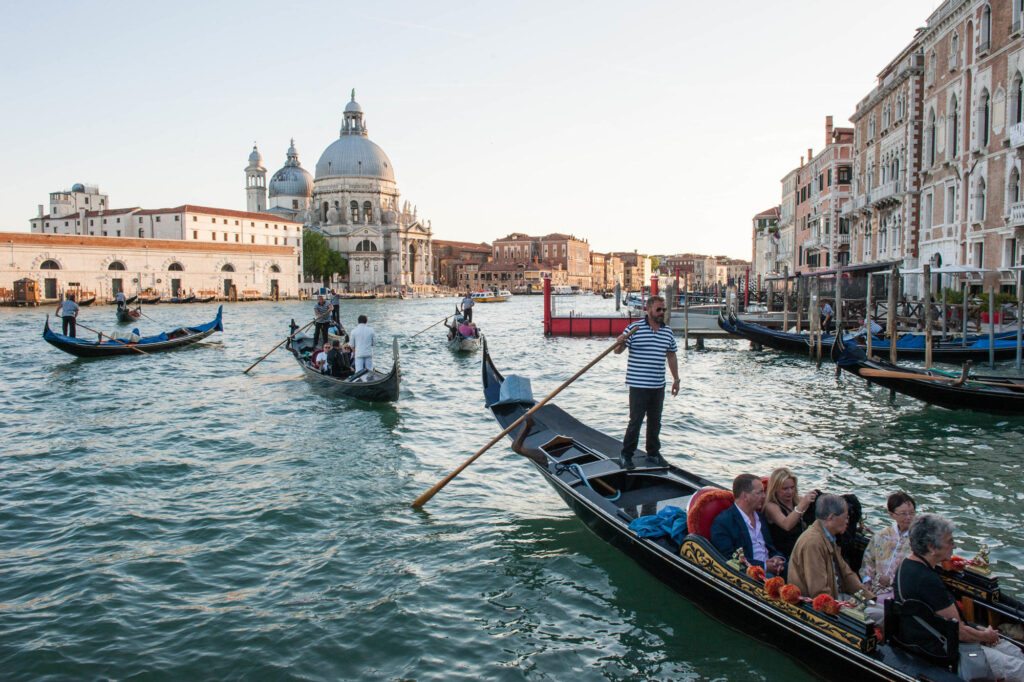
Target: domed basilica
{"x": 354, "y": 202}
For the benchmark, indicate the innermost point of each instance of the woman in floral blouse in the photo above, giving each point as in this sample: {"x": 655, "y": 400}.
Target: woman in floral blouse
{"x": 888, "y": 547}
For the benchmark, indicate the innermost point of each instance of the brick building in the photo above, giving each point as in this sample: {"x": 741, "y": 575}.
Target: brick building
{"x": 823, "y": 187}
{"x": 449, "y": 255}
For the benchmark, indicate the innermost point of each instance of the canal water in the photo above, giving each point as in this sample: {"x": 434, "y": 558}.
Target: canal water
{"x": 170, "y": 517}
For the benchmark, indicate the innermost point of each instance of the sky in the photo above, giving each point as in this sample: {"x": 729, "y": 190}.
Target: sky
{"x": 657, "y": 126}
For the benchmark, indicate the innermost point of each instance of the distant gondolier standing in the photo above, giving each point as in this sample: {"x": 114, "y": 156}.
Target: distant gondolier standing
{"x": 362, "y": 338}
{"x": 467, "y": 307}
{"x": 68, "y": 311}
{"x": 336, "y": 312}
{"x": 649, "y": 347}
{"x": 322, "y": 310}
{"x": 121, "y": 300}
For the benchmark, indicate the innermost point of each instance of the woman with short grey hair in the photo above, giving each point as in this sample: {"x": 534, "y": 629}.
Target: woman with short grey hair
{"x": 931, "y": 541}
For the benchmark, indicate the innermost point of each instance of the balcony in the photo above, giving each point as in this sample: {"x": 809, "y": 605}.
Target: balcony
{"x": 812, "y": 242}
{"x": 843, "y": 239}
{"x": 1017, "y": 213}
{"x": 862, "y": 200}
{"x": 885, "y": 191}
{"x": 1017, "y": 135}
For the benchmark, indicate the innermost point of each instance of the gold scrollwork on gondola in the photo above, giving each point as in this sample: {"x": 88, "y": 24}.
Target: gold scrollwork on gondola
{"x": 695, "y": 554}
{"x": 959, "y": 587}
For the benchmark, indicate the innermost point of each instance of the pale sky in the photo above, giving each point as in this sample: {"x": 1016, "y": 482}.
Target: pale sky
{"x": 657, "y": 126}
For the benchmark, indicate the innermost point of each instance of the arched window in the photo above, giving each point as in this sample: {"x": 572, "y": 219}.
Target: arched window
{"x": 954, "y": 51}
{"x": 954, "y": 124}
{"x": 979, "y": 206}
{"x": 931, "y": 137}
{"x": 1017, "y": 99}
{"x": 986, "y": 28}
{"x": 367, "y": 212}
{"x": 175, "y": 267}
{"x": 116, "y": 265}
{"x": 366, "y": 245}
{"x": 1014, "y": 187}
{"x": 228, "y": 267}
{"x": 984, "y": 112}
{"x": 49, "y": 265}
{"x": 275, "y": 269}
{"x": 324, "y": 209}
{"x": 353, "y": 208}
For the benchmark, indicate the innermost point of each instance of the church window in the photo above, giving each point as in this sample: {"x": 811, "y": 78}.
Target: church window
{"x": 367, "y": 212}
{"x": 354, "y": 211}
{"x": 324, "y": 208}
{"x": 295, "y": 203}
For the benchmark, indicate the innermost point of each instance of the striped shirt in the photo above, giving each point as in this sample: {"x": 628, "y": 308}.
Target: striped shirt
{"x": 647, "y": 349}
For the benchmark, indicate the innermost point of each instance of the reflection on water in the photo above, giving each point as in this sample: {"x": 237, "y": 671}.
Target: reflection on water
{"x": 172, "y": 516}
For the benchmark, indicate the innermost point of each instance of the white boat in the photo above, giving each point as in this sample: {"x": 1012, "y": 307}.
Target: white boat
{"x": 562, "y": 290}
{"x": 491, "y": 296}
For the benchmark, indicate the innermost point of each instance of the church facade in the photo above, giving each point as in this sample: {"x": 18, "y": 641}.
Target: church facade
{"x": 354, "y": 202}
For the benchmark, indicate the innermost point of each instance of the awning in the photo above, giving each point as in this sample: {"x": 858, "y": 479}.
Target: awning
{"x": 860, "y": 267}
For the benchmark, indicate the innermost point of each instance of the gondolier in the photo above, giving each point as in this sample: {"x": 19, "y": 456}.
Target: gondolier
{"x": 336, "y": 309}
{"x": 121, "y": 300}
{"x": 322, "y": 310}
{"x": 68, "y": 311}
{"x": 649, "y": 347}
{"x": 467, "y": 307}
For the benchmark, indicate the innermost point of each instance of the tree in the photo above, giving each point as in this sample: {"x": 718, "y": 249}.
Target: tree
{"x": 655, "y": 263}
{"x": 319, "y": 260}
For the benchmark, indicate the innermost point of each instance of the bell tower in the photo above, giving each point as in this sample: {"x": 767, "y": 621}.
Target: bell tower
{"x": 255, "y": 183}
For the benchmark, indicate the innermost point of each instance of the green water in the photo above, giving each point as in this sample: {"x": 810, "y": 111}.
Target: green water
{"x": 172, "y": 518}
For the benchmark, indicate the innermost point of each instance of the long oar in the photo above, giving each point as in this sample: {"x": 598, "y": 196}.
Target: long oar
{"x": 425, "y": 497}
{"x": 890, "y": 374}
{"x": 123, "y": 343}
{"x": 279, "y": 345}
{"x": 432, "y": 326}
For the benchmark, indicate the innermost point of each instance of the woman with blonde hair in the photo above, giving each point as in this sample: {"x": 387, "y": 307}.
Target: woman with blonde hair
{"x": 784, "y": 509}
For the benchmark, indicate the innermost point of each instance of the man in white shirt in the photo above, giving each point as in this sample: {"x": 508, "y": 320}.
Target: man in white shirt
{"x": 68, "y": 311}
{"x": 362, "y": 338}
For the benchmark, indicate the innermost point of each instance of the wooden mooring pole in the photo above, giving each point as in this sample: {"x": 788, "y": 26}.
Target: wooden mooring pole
{"x": 927, "y": 274}
{"x": 890, "y": 314}
{"x": 867, "y": 315}
{"x": 785, "y": 298}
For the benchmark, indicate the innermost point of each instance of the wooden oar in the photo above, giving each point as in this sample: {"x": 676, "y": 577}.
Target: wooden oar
{"x": 278, "y": 346}
{"x": 425, "y": 497}
{"x": 123, "y": 343}
{"x": 432, "y": 326}
{"x": 890, "y": 374}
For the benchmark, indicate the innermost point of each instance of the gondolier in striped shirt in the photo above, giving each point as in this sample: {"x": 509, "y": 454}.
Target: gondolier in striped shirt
{"x": 649, "y": 347}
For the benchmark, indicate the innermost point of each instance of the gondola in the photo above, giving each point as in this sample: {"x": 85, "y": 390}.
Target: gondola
{"x": 180, "y": 299}
{"x": 967, "y": 392}
{"x": 372, "y": 387}
{"x": 128, "y": 315}
{"x": 87, "y": 301}
{"x": 149, "y": 300}
{"x": 581, "y": 464}
{"x": 461, "y": 344}
{"x": 204, "y": 299}
{"x": 908, "y": 347}
{"x": 176, "y": 338}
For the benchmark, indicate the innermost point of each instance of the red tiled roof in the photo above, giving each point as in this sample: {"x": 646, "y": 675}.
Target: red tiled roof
{"x": 463, "y": 246}
{"x": 133, "y": 243}
{"x": 207, "y": 210}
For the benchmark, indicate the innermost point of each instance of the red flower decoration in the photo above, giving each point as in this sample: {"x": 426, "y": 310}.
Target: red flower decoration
{"x": 790, "y": 593}
{"x": 774, "y": 586}
{"x": 756, "y": 572}
{"x": 826, "y": 604}
{"x": 955, "y": 564}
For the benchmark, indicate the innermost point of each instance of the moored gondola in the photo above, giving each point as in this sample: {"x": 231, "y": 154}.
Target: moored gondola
{"x": 183, "y": 299}
{"x": 908, "y": 347}
{"x": 980, "y": 393}
{"x": 149, "y": 299}
{"x": 581, "y": 464}
{"x": 373, "y": 386}
{"x": 175, "y": 338}
{"x": 127, "y": 315}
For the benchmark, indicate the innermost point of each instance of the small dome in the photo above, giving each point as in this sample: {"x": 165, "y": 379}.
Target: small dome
{"x": 255, "y": 160}
{"x": 353, "y": 106}
{"x": 78, "y": 187}
{"x": 291, "y": 181}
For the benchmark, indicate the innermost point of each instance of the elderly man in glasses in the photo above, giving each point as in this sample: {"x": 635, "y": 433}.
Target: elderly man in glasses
{"x": 649, "y": 347}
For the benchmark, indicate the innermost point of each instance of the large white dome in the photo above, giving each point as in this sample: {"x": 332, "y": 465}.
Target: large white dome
{"x": 354, "y": 156}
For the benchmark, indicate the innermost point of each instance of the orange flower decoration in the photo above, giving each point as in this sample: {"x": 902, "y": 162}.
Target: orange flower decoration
{"x": 774, "y": 586}
{"x": 826, "y": 604}
{"x": 954, "y": 563}
{"x": 790, "y": 593}
{"x": 756, "y": 572}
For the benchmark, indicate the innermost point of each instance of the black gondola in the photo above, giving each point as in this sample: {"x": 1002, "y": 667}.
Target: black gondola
{"x": 176, "y": 338}
{"x": 968, "y": 392}
{"x": 382, "y": 388}
{"x": 580, "y": 459}
{"x": 149, "y": 300}
{"x": 204, "y": 299}
{"x": 909, "y": 347}
{"x": 128, "y": 315}
{"x": 87, "y": 301}
{"x": 182, "y": 299}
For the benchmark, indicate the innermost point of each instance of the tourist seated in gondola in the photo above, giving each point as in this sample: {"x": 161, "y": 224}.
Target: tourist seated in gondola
{"x": 784, "y": 509}
{"x": 917, "y": 584}
{"x": 888, "y": 547}
{"x": 319, "y": 358}
{"x": 339, "y": 362}
{"x": 816, "y": 565}
{"x": 866, "y": 324}
{"x": 744, "y": 526}
{"x": 468, "y": 330}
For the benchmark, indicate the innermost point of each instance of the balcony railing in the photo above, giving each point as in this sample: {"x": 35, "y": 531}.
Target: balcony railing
{"x": 843, "y": 239}
{"x": 862, "y": 200}
{"x": 812, "y": 242}
{"x": 1017, "y": 213}
{"x": 885, "y": 191}
{"x": 1017, "y": 135}
{"x": 983, "y": 45}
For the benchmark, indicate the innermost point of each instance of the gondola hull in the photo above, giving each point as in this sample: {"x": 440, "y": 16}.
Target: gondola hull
{"x": 824, "y": 644}
{"x": 942, "y": 351}
{"x": 1005, "y": 400}
{"x": 154, "y": 344}
{"x": 463, "y": 345}
{"x": 384, "y": 388}
{"x": 128, "y": 315}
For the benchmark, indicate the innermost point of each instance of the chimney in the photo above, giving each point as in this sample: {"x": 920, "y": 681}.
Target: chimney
{"x": 828, "y": 130}
{"x": 40, "y": 210}
{"x": 801, "y": 162}
{"x": 809, "y": 155}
